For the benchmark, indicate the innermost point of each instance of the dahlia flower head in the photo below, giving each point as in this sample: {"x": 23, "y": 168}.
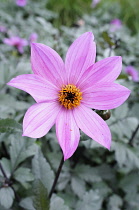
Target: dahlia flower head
{"x": 65, "y": 94}
{"x": 21, "y": 3}
{"x": 131, "y": 71}
{"x": 17, "y": 42}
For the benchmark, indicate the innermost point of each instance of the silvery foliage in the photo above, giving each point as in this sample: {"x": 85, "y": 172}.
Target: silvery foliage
{"x": 93, "y": 178}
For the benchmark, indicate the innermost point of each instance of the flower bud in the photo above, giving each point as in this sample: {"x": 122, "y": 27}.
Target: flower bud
{"x": 104, "y": 114}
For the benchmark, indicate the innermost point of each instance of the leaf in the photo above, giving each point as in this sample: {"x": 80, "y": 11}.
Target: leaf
{"x": 2, "y": 208}
{"x": 9, "y": 126}
{"x": 63, "y": 180}
{"x": 87, "y": 173}
{"x": 6, "y": 164}
{"x": 20, "y": 149}
{"x": 41, "y": 170}
{"x": 103, "y": 188}
{"x": 126, "y": 155}
{"x": 27, "y": 203}
{"x": 135, "y": 109}
{"x": 115, "y": 202}
{"x": 23, "y": 175}
{"x": 130, "y": 183}
{"x": 40, "y": 200}
{"x": 6, "y": 197}
{"x": 91, "y": 200}
{"x": 132, "y": 199}
{"x": 123, "y": 110}
{"x": 107, "y": 39}
{"x": 57, "y": 203}
{"x": 78, "y": 186}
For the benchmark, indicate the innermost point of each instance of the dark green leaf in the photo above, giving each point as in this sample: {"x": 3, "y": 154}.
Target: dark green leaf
{"x": 40, "y": 201}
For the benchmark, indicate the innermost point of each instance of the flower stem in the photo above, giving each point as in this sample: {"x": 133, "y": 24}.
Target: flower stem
{"x": 3, "y": 172}
{"x": 56, "y": 177}
{"x": 8, "y": 181}
{"x": 133, "y": 135}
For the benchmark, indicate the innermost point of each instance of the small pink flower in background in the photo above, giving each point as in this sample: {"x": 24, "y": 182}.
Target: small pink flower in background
{"x": 17, "y": 42}
{"x": 115, "y": 24}
{"x": 33, "y": 37}
{"x": 130, "y": 70}
{"x": 3, "y": 29}
{"x": 67, "y": 93}
{"x": 80, "y": 22}
{"x": 21, "y": 3}
{"x": 94, "y": 3}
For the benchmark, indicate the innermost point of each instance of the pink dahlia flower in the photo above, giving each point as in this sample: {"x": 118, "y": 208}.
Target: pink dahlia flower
{"x": 21, "y": 3}
{"x": 65, "y": 93}
{"x": 33, "y": 37}
{"x": 130, "y": 70}
{"x": 16, "y": 42}
{"x": 115, "y": 24}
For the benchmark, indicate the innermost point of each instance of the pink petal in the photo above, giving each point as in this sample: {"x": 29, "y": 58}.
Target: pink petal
{"x": 40, "y": 89}
{"x": 39, "y": 119}
{"x": 80, "y": 56}
{"x": 104, "y": 96}
{"x": 8, "y": 41}
{"x": 20, "y": 49}
{"x": 67, "y": 132}
{"x": 92, "y": 125}
{"x": 47, "y": 63}
{"x": 106, "y": 70}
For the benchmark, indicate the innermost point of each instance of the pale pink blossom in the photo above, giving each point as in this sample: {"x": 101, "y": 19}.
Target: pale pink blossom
{"x": 67, "y": 93}
{"x": 130, "y": 70}
{"x": 21, "y": 3}
{"x": 94, "y": 3}
{"x": 17, "y": 42}
{"x": 3, "y": 29}
{"x": 33, "y": 37}
{"x": 115, "y": 25}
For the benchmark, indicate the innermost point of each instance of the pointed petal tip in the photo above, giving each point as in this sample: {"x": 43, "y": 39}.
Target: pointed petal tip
{"x": 66, "y": 156}
{"x": 108, "y": 147}
{"x": 119, "y": 58}
{"x": 8, "y": 83}
{"x": 90, "y": 34}
{"x": 127, "y": 94}
{"x": 12, "y": 80}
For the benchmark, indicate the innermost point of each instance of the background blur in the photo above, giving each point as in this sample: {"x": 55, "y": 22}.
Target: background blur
{"x": 93, "y": 178}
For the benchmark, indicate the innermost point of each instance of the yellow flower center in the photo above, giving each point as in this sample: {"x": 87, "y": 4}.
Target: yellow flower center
{"x": 70, "y": 96}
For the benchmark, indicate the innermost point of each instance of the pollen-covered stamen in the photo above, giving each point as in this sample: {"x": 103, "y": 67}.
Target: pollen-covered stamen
{"x": 70, "y": 96}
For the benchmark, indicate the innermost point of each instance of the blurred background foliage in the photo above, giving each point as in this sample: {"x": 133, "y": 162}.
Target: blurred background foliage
{"x": 69, "y": 11}
{"x": 93, "y": 178}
